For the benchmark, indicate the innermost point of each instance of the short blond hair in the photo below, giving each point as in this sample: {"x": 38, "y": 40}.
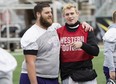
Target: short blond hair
{"x": 68, "y": 6}
{"x": 114, "y": 17}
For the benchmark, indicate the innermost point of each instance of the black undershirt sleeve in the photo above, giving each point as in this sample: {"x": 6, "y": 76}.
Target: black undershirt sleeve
{"x": 91, "y": 46}
{"x": 30, "y": 52}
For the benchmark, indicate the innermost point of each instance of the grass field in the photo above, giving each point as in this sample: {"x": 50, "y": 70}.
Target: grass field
{"x": 98, "y": 64}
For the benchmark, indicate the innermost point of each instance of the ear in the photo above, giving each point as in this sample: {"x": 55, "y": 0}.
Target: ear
{"x": 78, "y": 13}
{"x": 38, "y": 15}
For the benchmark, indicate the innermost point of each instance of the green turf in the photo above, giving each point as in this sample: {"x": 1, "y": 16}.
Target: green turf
{"x": 98, "y": 65}
{"x": 17, "y": 71}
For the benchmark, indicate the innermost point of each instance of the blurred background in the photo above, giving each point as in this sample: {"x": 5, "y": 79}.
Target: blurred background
{"x": 16, "y": 16}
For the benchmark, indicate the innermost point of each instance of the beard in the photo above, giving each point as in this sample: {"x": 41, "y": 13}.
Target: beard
{"x": 44, "y": 22}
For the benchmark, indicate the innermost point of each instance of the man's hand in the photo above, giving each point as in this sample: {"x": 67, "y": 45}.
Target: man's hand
{"x": 87, "y": 27}
{"x": 76, "y": 45}
{"x": 112, "y": 75}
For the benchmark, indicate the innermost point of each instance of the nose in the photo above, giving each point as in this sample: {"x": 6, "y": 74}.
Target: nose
{"x": 50, "y": 14}
{"x": 70, "y": 15}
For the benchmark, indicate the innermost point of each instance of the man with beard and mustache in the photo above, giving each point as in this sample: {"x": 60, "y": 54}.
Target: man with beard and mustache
{"x": 41, "y": 48}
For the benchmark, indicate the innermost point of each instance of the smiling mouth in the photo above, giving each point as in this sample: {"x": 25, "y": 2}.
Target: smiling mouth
{"x": 50, "y": 18}
{"x": 71, "y": 19}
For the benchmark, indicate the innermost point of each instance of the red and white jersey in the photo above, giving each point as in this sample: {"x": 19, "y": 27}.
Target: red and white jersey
{"x": 68, "y": 54}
